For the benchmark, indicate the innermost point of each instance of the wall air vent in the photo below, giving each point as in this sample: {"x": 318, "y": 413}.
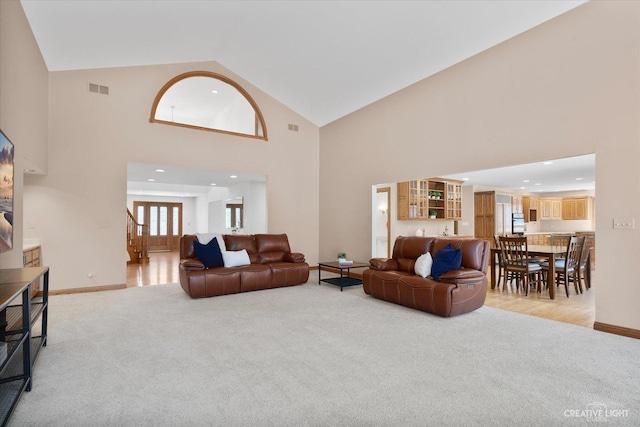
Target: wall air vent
{"x": 96, "y": 88}
{"x": 293, "y": 127}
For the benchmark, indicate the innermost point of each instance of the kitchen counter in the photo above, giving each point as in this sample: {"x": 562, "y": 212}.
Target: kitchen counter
{"x": 572, "y": 233}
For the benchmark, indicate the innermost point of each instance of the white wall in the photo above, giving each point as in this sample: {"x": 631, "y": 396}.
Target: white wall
{"x": 567, "y": 87}
{"x": 92, "y": 137}
{"x": 24, "y": 88}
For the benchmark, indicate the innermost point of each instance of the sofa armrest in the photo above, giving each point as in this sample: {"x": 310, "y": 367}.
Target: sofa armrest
{"x": 294, "y": 257}
{"x": 191, "y": 264}
{"x": 462, "y": 275}
{"x": 383, "y": 264}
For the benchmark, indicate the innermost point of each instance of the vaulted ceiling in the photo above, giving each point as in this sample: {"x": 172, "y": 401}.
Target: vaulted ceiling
{"x": 323, "y": 59}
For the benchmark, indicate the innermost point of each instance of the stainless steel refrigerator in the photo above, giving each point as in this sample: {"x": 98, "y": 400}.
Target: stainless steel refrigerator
{"x": 517, "y": 223}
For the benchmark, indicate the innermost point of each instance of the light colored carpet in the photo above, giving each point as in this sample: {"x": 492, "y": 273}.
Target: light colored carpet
{"x": 311, "y": 355}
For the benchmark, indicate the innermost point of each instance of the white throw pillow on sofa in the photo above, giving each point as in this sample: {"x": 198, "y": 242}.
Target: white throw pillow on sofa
{"x": 238, "y": 258}
{"x": 205, "y": 238}
{"x": 422, "y": 268}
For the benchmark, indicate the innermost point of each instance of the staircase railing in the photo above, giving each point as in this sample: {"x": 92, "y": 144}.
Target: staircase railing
{"x": 137, "y": 240}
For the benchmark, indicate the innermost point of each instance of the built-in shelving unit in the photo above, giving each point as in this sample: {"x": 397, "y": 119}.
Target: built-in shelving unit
{"x": 430, "y": 198}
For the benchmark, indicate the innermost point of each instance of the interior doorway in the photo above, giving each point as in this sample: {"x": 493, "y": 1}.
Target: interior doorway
{"x": 382, "y": 231}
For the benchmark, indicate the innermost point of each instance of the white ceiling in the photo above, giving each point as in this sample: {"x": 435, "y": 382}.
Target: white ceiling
{"x": 323, "y": 59}
{"x": 568, "y": 174}
{"x": 159, "y": 180}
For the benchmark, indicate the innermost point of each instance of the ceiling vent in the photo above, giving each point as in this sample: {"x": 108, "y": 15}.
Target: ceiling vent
{"x": 293, "y": 127}
{"x": 96, "y": 88}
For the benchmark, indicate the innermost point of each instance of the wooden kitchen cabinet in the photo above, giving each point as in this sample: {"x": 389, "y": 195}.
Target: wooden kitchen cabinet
{"x": 517, "y": 204}
{"x": 403, "y": 200}
{"x": 577, "y": 208}
{"x": 454, "y": 200}
{"x": 484, "y": 215}
{"x": 550, "y": 208}
{"x": 530, "y": 208}
{"x": 424, "y": 198}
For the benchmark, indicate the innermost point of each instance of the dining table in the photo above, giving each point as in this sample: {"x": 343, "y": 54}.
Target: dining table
{"x": 549, "y": 252}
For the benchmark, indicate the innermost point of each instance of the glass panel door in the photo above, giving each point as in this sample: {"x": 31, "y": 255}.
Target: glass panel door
{"x": 165, "y": 223}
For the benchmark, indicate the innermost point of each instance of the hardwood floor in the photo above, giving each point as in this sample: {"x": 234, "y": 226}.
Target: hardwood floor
{"x": 162, "y": 268}
{"x": 578, "y": 309}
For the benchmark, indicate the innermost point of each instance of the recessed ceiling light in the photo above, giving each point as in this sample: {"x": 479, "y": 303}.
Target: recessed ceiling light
{"x": 579, "y": 179}
{"x": 465, "y": 179}
{"x": 522, "y": 188}
{"x": 526, "y": 180}
{"x": 537, "y": 183}
{"x": 151, "y": 180}
{"x": 547, "y": 163}
{"x": 233, "y": 176}
{"x": 214, "y": 91}
{"x": 160, "y": 170}
{"x": 213, "y": 183}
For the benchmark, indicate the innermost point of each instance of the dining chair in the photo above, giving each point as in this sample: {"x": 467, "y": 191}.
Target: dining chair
{"x": 559, "y": 240}
{"x": 500, "y": 264}
{"x": 566, "y": 269}
{"x": 515, "y": 255}
{"x": 584, "y": 265}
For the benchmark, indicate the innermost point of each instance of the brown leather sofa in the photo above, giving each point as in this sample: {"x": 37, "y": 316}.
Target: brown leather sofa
{"x": 272, "y": 265}
{"x": 457, "y": 291}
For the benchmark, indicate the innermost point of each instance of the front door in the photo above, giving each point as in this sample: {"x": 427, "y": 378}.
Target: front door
{"x": 165, "y": 223}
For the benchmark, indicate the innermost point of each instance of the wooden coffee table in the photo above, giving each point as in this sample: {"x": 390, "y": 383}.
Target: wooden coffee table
{"x": 342, "y": 281}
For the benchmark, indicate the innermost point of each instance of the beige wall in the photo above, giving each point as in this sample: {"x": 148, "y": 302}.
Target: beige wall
{"x": 79, "y": 208}
{"x": 567, "y": 87}
{"x": 23, "y": 108}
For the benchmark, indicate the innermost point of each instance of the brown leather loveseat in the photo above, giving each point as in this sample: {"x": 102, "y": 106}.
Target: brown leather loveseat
{"x": 457, "y": 291}
{"x": 272, "y": 265}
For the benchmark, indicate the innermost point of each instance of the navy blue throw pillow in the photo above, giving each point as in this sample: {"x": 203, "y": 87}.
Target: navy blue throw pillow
{"x": 446, "y": 259}
{"x": 209, "y": 254}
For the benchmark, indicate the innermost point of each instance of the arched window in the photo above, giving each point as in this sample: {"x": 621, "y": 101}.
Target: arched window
{"x": 208, "y": 101}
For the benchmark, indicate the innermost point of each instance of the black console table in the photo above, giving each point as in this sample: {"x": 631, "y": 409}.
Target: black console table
{"x": 342, "y": 281}
{"x": 23, "y": 331}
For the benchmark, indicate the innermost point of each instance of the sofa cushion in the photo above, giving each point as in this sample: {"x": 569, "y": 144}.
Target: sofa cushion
{"x": 236, "y": 258}
{"x": 446, "y": 259}
{"x": 407, "y": 264}
{"x": 411, "y": 247}
{"x": 423, "y": 265}
{"x": 269, "y": 257}
{"x": 383, "y": 264}
{"x": 205, "y": 238}
{"x": 209, "y": 254}
{"x": 237, "y": 242}
{"x": 472, "y": 251}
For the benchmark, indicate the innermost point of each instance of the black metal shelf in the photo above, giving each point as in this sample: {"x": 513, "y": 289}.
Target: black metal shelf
{"x": 14, "y": 318}
{"x": 24, "y": 328}
{"x": 9, "y": 395}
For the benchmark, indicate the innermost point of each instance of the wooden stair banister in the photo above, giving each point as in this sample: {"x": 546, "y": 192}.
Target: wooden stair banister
{"x": 137, "y": 240}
